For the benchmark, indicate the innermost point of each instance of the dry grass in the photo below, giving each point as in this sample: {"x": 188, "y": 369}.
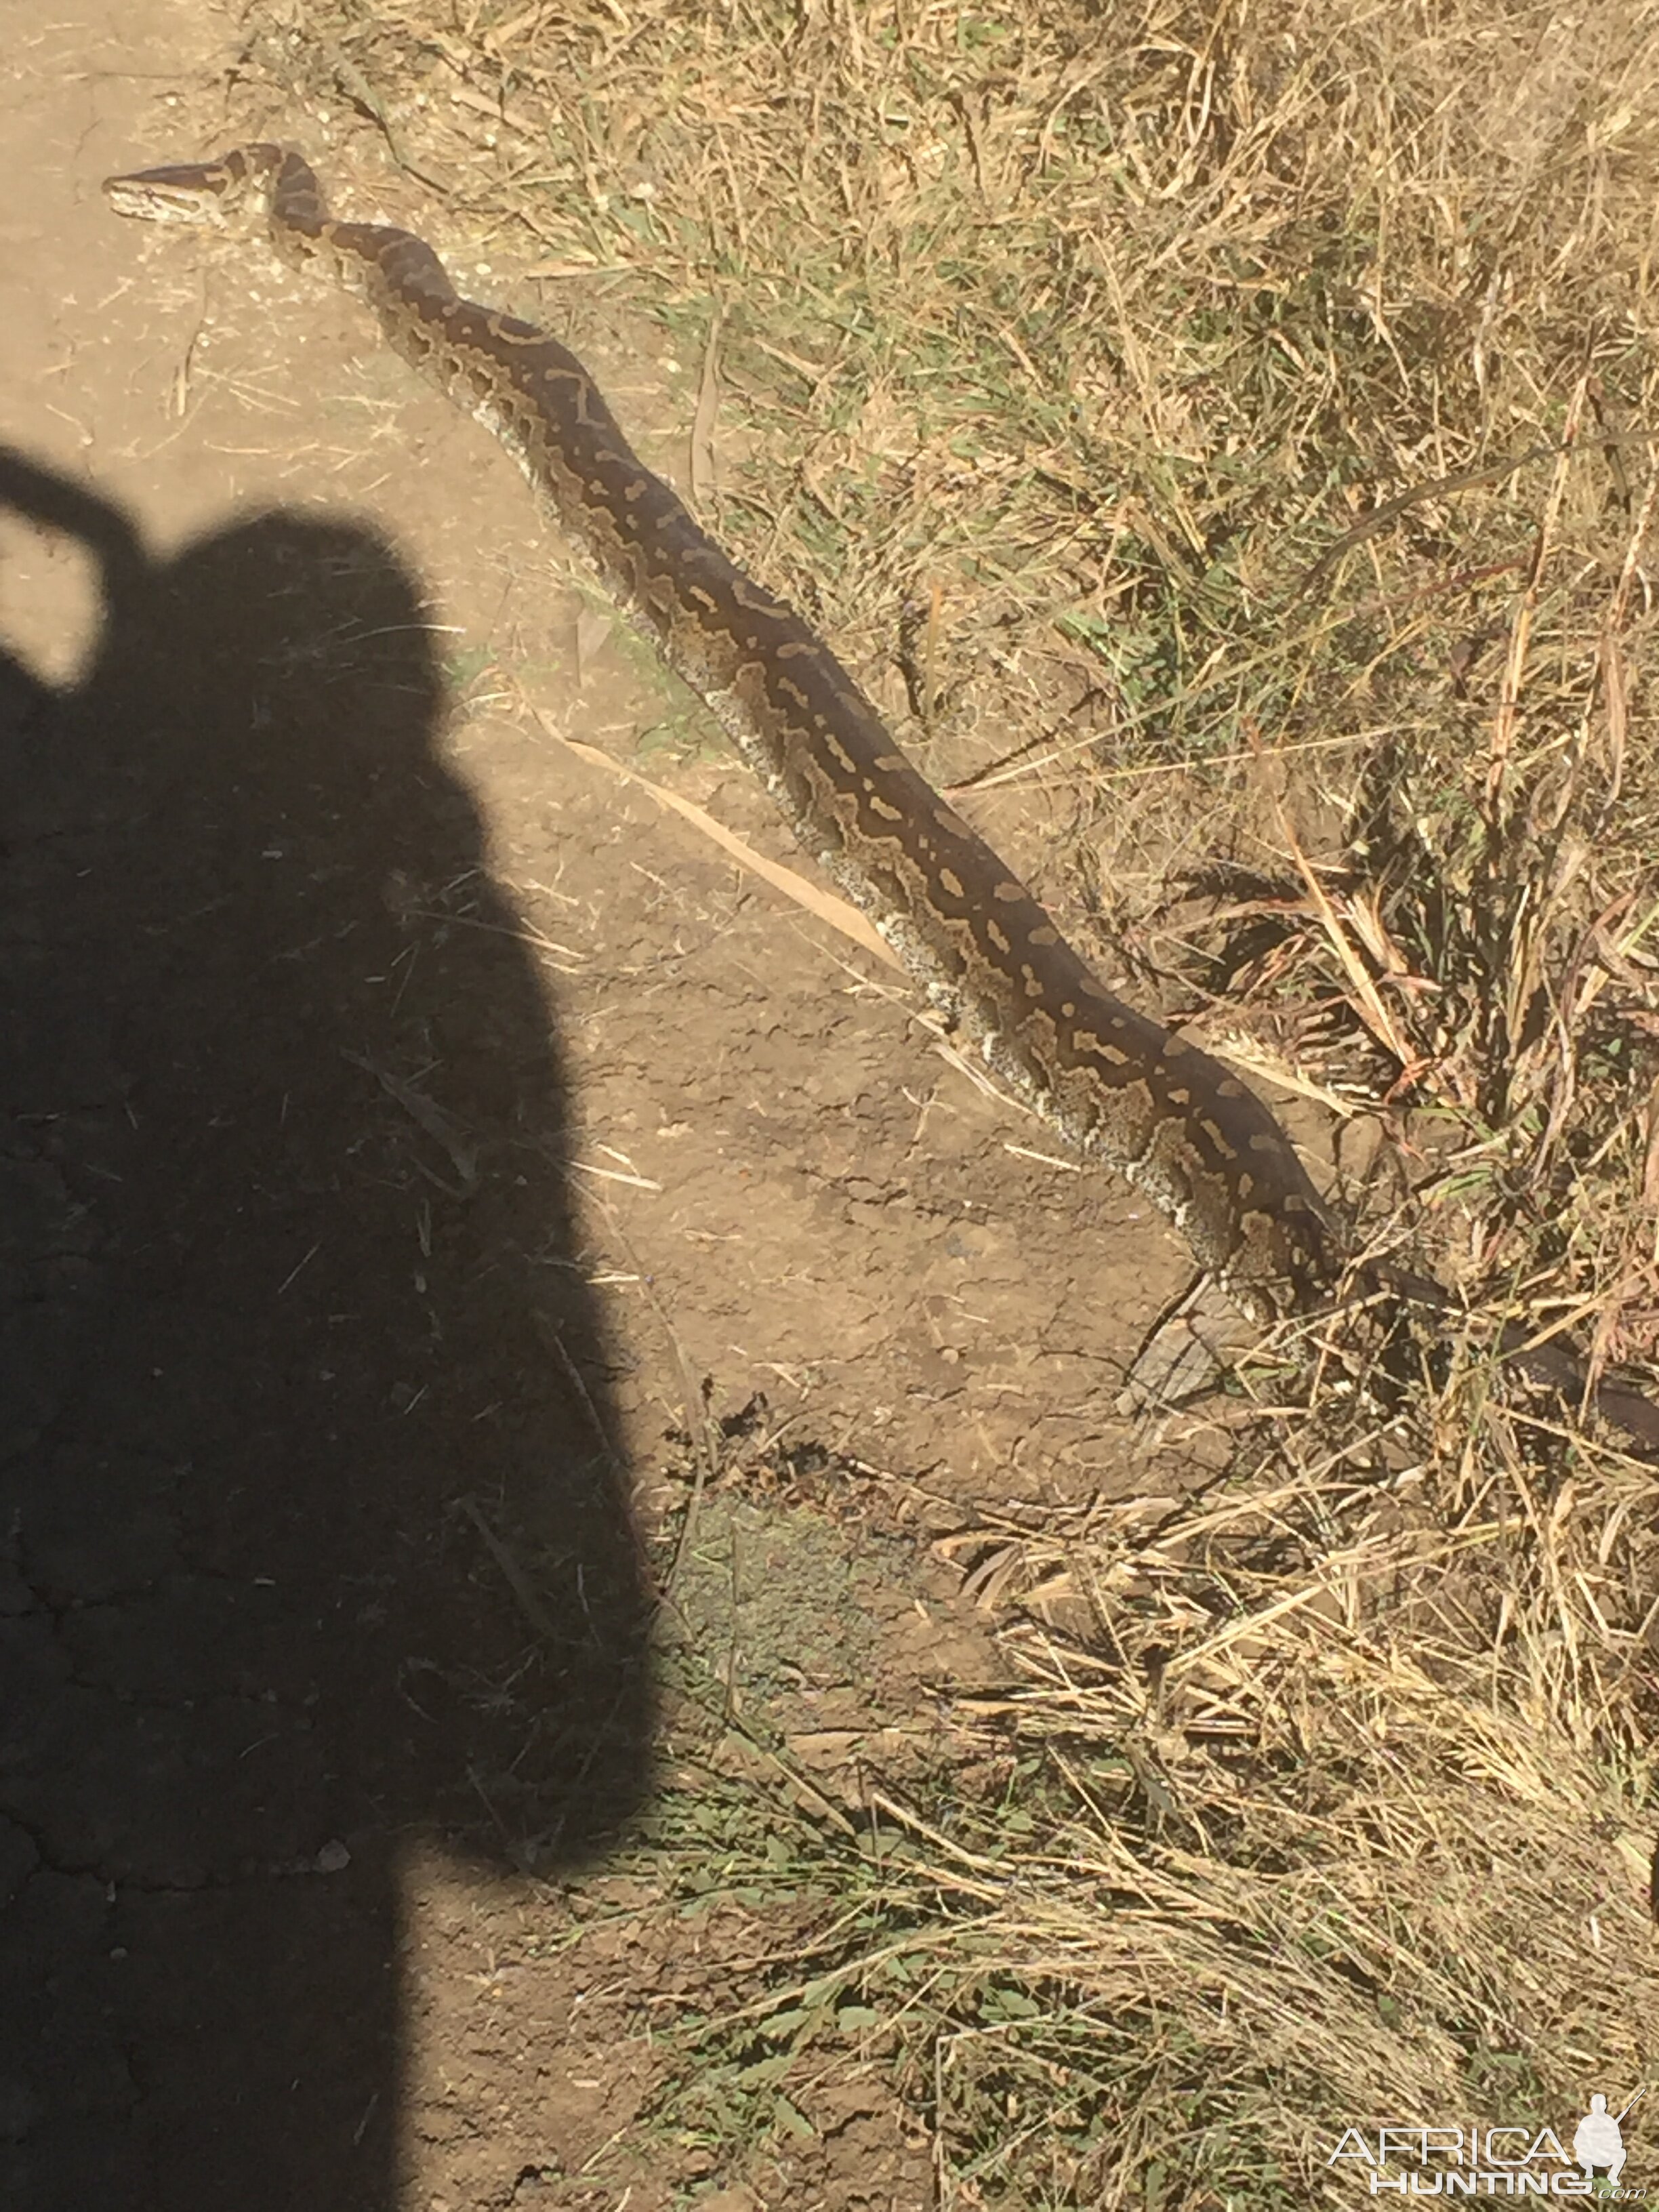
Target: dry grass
{"x": 1252, "y": 409}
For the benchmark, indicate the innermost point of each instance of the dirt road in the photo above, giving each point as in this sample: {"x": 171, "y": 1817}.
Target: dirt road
{"x": 364, "y": 1050}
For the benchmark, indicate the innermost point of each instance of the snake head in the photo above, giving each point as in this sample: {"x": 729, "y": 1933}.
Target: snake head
{"x": 199, "y": 192}
{"x": 172, "y": 195}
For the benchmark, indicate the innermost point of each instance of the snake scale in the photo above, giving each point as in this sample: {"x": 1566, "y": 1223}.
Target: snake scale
{"x": 1117, "y": 1085}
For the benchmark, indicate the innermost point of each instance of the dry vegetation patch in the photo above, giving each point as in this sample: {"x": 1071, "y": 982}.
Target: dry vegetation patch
{"x": 1221, "y": 438}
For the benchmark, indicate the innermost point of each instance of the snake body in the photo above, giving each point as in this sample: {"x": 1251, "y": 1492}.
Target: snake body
{"x": 1119, "y": 1086}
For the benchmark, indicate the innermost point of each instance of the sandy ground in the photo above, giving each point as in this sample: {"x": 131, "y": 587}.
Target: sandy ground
{"x": 402, "y": 1118}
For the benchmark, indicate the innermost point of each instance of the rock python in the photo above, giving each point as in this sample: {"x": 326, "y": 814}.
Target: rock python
{"x": 1117, "y": 1085}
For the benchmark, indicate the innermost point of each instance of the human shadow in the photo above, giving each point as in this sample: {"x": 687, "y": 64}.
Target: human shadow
{"x": 313, "y": 1541}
